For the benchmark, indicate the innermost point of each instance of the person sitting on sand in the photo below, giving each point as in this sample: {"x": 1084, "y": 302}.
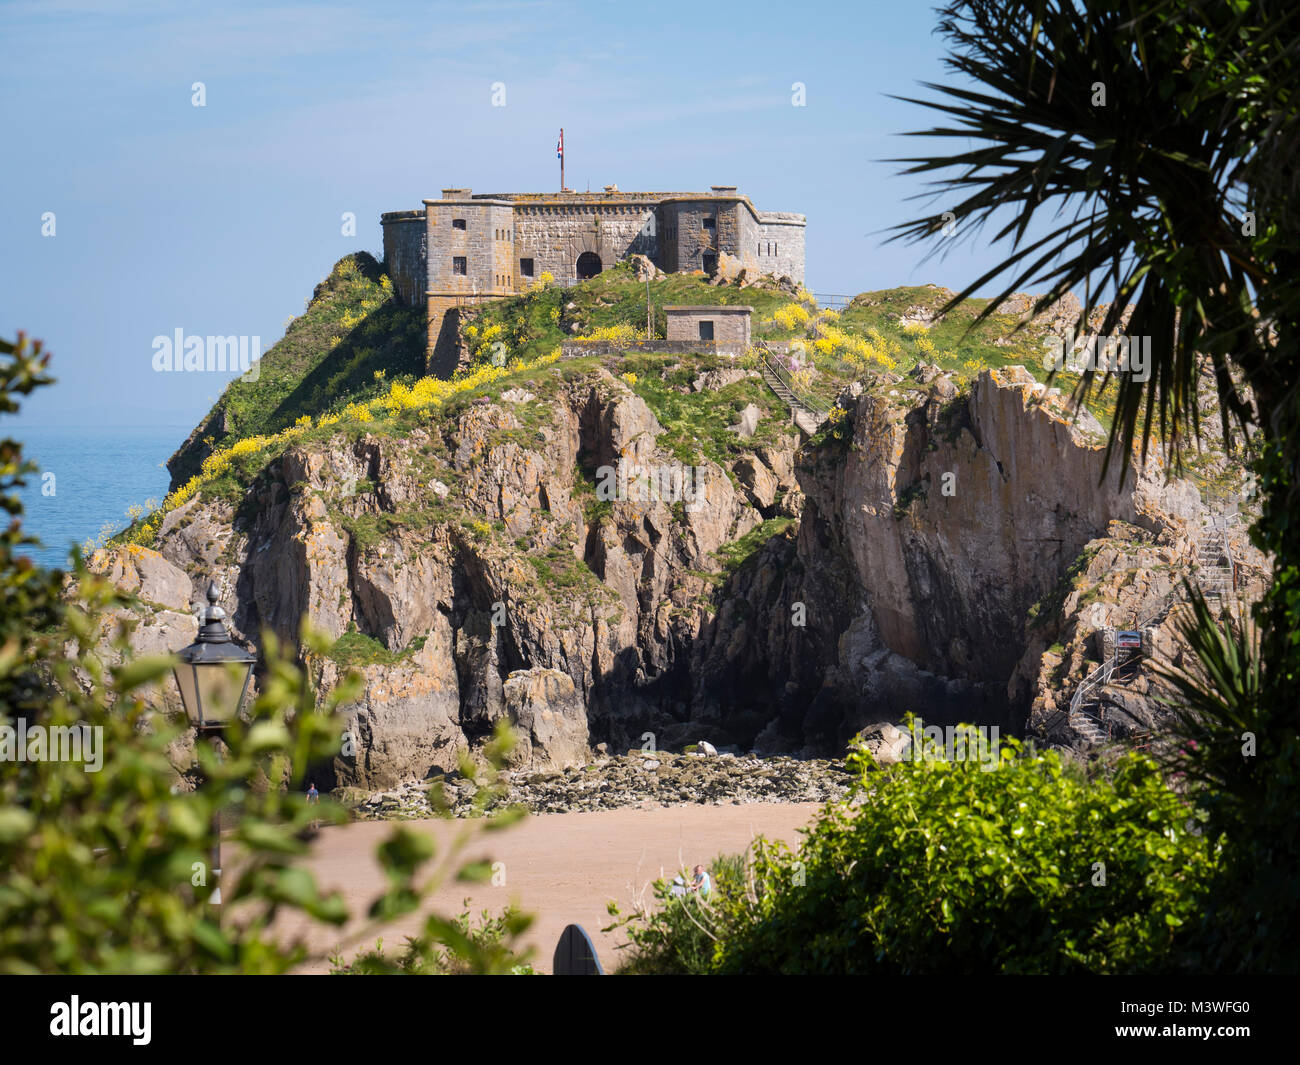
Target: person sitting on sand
{"x": 700, "y": 881}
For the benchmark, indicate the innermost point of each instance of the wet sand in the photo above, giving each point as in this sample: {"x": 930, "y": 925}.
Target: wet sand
{"x": 562, "y": 868}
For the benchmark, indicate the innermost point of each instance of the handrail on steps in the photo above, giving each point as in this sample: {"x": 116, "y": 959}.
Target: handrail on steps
{"x": 807, "y": 403}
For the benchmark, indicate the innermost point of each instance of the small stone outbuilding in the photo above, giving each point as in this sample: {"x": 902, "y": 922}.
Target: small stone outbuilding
{"x": 728, "y": 327}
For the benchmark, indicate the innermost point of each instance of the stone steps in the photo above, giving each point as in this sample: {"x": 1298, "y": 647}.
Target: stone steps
{"x": 1085, "y": 726}
{"x": 801, "y": 410}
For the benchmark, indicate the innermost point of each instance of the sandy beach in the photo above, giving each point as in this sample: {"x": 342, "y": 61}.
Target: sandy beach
{"x": 562, "y": 868}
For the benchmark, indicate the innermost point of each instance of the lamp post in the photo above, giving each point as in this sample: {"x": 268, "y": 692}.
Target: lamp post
{"x": 208, "y": 674}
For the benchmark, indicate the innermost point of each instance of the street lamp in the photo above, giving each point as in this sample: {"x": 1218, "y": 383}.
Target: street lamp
{"x": 209, "y": 673}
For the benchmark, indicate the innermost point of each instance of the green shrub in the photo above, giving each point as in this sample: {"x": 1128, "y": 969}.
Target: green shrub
{"x": 490, "y": 937}
{"x": 735, "y": 554}
{"x": 679, "y": 938}
{"x": 935, "y": 866}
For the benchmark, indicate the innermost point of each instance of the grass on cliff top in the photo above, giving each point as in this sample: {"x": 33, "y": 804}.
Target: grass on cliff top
{"x": 698, "y": 423}
{"x": 537, "y": 322}
{"x": 954, "y": 350}
{"x": 349, "y": 345}
{"x": 992, "y": 344}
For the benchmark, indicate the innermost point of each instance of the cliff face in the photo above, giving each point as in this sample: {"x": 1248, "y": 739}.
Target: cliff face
{"x": 462, "y": 559}
{"x": 928, "y": 541}
{"x": 471, "y": 570}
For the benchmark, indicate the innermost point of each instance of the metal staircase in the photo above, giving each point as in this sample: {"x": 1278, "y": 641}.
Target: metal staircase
{"x": 1085, "y": 715}
{"x": 1215, "y": 575}
{"x": 1216, "y": 571}
{"x": 779, "y": 382}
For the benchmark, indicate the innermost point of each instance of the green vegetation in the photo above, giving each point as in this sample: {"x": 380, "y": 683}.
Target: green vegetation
{"x": 678, "y": 940}
{"x": 575, "y": 592}
{"x": 735, "y": 554}
{"x": 909, "y": 495}
{"x": 949, "y": 867}
{"x": 957, "y": 339}
{"x": 350, "y": 345}
{"x": 490, "y": 937}
{"x": 559, "y": 571}
{"x": 1053, "y": 602}
{"x": 354, "y": 649}
{"x": 109, "y": 871}
{"x": 698, "y": 424}
{"x": 537, "y": 322}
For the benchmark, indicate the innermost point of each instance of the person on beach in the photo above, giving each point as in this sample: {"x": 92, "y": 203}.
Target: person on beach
{"x": 700, "y": 881}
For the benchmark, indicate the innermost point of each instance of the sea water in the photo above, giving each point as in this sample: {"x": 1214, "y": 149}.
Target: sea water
{"x": 88, "y": 478}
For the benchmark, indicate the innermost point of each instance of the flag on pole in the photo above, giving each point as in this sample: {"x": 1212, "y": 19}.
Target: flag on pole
{"x": 559, "y": 148}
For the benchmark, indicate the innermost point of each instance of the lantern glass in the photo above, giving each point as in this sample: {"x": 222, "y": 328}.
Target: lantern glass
{"x": 213, "y": 672}
{"x": 212, "y": 692}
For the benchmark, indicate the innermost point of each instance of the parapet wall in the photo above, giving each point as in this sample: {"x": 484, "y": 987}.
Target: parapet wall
{"x": 554, "y": 236}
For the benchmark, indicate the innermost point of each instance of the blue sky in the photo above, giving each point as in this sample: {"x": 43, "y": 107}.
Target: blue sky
{"x": 220, "y": 219}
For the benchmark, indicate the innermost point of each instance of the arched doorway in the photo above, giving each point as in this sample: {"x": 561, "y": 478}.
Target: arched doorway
{"x": 588, "y": 265}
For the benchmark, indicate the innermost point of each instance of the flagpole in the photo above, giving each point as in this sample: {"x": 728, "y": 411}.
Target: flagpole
{"x": 561, "y": 158}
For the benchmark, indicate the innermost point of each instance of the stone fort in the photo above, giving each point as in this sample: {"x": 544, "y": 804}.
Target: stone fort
{"x": 465, "y": 248}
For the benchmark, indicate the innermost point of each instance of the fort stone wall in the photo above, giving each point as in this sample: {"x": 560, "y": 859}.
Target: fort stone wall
{"x": 555, "y": 235}
{"x": 405, "y": 251}
{"x": 781, "y": 239}
{"x": 463, "y": 248}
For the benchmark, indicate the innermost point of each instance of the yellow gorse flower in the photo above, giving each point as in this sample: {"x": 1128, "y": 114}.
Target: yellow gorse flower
{"x": 619, "y": 334}
{"x": 866, "y": 352}
{"x": 427, "y": 392}
{"x": 791, "y": 316}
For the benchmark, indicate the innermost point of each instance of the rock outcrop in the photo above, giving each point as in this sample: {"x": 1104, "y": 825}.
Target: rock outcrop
{"x": 631, "y": 780}
{"x": 917, "y": 557}
{"x": 462, "y": 555}
{"x": 166, "y": 619}
{"x": 549, "y": 719}
{"x": 941, "y": 525}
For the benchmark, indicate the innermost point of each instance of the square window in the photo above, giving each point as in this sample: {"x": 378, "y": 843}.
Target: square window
{"x": 458, "y": 265}
{"x": 458, "y": 223}
{"x": 526, "y": 267}
{"x": 710, "y": 222}
{"x": 706, "y": 330}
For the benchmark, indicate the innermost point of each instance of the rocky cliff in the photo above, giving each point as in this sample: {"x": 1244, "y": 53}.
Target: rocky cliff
{"x": 478, "y": 576}
{"x": 937, "y": 565}
{"x": 941, "y": 550}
